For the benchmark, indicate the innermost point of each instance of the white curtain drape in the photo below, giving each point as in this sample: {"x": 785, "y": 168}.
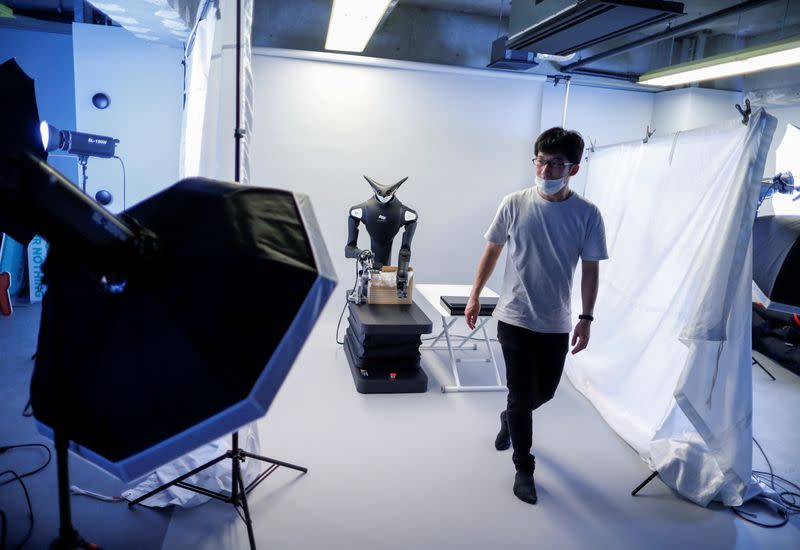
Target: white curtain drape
{"x": 207, "y": 150}
{"x": 209, "y": 120}
{"x": 668, "y": 366}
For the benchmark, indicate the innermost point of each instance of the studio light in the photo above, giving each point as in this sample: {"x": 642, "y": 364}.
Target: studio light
{"x": 353, "y": 22}
{"x": 750, "y": 60}
{"x": 77, "y": 143}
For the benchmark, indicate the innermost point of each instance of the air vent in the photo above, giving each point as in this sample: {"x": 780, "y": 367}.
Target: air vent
{"x": 510, "y": 60}
{"x": 561, "y": 27}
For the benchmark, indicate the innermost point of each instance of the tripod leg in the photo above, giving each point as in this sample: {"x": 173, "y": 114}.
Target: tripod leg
{"x": 240, "y": 496}
{"x": 177, "y": 480}
{"x": 757, "y": 362}
{"x": 643, "y": 483}
{"x": 66, "y": 533}
{"x": 247, "y": 454}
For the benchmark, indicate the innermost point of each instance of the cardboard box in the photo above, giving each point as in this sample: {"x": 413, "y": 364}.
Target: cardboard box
{"x": 383, "y": 287}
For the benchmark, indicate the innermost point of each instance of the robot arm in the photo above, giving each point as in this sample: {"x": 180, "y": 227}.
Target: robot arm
{"x": 404, "y": 257}
{"x": 351, "y": 249}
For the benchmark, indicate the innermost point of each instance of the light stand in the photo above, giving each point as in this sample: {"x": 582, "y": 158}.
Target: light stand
{"x": 48, "y": 204}
{"x": 237, "y": 455}
{"x": 80, "y": 144}
{"x": 239, "y": 491}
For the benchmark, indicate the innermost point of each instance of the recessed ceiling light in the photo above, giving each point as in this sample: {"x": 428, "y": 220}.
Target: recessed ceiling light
{"x": 352, "y": 23}
{"x": 751, "y": 60}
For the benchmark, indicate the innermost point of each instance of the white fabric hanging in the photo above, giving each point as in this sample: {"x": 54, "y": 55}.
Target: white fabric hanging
{"x": 207, "y": 150}
{"x": 209, "y": 120}
{"x": 668, "y": 366}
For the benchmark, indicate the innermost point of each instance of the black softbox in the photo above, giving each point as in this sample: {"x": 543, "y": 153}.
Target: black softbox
{"x": 197, "y": 343}
{"x": 170, "y": 325}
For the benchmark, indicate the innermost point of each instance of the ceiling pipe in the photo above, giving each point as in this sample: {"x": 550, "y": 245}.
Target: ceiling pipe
{"x": 669, "y": 33}
{"x": 628, "y": 77}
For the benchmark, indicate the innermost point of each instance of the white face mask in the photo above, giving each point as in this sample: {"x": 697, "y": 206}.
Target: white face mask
{"x": 550, "y": 187}
{"x": 384, "y": 200}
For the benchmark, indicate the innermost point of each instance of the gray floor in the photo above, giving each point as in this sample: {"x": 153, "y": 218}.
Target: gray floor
{"x": 415, "y": 470}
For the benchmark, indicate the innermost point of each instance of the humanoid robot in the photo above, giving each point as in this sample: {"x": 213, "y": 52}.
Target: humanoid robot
{"x": 383, "y": 215}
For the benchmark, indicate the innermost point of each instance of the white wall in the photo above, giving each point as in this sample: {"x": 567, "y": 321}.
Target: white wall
{"x": 464, "y": 139}
{"x": 602, "y": 115}
{"x": 689, "y": 108}
{"x": 145, "y": 84}
{"x": 46, "y": 56}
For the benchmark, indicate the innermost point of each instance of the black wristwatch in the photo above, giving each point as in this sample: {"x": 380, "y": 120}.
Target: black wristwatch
{"x": 585, "y": 317}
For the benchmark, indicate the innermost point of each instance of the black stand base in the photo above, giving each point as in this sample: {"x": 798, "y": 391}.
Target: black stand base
{"x": 650, "y": 478}
{"x": 756, "y": 362}
{"x": 71, "y": 541}
{"x": 68, "y": 537}
{"x": 239, "y": 491}
{"x": 377, "y": 380}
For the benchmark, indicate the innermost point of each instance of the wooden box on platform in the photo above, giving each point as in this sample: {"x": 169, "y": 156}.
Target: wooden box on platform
{"x": 383, "y": 287}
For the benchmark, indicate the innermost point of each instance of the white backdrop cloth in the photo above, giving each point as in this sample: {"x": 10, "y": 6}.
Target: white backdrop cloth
{"x": 207, "y": 150}
{"x": 668, "y": 365}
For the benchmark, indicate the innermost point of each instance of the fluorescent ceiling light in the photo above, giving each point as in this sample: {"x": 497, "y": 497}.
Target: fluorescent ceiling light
{"x": 750, "y": 60}
{"x": 352, "y": 23}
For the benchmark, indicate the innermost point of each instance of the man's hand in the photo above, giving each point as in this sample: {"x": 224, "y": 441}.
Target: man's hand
{"x": 580, "y": 335}
{"x": 471, "y": 312}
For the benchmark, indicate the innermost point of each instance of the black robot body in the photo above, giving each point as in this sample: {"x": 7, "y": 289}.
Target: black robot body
{"x": 383, "y": 215}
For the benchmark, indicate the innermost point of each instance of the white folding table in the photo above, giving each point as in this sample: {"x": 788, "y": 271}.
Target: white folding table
{"x": 433, "y": 294}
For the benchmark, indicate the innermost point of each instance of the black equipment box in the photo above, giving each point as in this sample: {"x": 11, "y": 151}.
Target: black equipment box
{"x": 382, "y": 347}
{"x": 457, "y": 304}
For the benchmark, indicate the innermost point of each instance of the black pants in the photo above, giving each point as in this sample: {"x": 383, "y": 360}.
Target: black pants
{"x": 534, "y": 363}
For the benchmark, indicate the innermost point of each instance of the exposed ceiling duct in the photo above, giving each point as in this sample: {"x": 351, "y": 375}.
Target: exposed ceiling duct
{"x": 669, "y": 33}
{"x": 510, "y": 60}
{"x": 561, "y": 27}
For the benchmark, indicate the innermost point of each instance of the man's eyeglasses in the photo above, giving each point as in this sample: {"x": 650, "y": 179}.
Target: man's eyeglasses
{"x": 556, "y": 165}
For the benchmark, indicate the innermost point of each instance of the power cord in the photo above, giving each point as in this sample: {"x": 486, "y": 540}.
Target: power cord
{"x": 341, "y": 315}
{"x": 4, "y": 528}
{"x": 18, "y": 478}
{"x": 788, "y": 492}
{"x": 24, "y": 446}
{"x": 124, "y": 186}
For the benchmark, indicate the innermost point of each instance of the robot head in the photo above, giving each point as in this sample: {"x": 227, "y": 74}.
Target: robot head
{"x": 384, "y": 193}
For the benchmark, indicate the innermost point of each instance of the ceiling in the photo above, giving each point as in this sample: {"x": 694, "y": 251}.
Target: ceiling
{"x": 460, "y": 33}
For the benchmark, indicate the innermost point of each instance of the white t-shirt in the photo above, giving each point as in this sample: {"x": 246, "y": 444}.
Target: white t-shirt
{"x": 544, "y": 240}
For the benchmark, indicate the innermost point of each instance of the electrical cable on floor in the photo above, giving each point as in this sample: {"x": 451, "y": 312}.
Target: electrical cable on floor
{"x": 788, "y": 492}
{"x": 23, "y": 446}
{"x": 341, "y": 315}
{"x": 75, "y": 490}
{"x": 30, "y": 512}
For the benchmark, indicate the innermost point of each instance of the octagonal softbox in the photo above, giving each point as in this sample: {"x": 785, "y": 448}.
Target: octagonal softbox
{"x": 198, "y": 342}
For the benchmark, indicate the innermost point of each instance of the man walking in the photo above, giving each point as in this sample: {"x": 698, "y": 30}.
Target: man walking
{"x": 547, "y": 228}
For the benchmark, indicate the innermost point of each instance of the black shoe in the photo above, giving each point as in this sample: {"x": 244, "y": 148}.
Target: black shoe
{"x": 503, "y": 439}
{"x": 525, "y": 488}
